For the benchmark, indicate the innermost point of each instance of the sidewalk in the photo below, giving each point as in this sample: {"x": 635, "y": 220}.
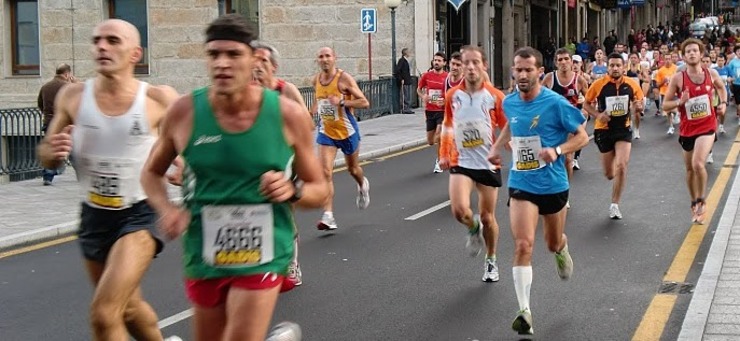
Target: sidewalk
{"x": 714, "y": 311}
{"x": 32, "y": 212}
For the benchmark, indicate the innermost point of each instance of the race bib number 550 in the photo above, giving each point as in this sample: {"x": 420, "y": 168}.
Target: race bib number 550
{"x": 238, "y": 235}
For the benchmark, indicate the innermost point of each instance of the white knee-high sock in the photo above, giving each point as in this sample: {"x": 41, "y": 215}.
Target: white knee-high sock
{"x": 522, "y": 284}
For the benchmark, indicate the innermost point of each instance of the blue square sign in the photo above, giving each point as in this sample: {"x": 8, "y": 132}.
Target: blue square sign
{"x": 368, "y": 20}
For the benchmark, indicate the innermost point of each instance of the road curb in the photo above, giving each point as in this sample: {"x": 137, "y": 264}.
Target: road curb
{"x": 69, "y": 228}
{"x": 697, "y": 315}
{"x": 384, "y": 151}
{"x": 38, "y": 235}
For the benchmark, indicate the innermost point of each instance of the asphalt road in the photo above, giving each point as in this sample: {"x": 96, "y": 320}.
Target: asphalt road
{"x": 380, "y": 277}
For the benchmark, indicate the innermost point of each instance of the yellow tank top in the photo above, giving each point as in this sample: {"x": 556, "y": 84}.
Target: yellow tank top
{"x": 336, "y": 122}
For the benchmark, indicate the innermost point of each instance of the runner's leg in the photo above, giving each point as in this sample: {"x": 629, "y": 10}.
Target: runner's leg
{"x": 248, "y": 313}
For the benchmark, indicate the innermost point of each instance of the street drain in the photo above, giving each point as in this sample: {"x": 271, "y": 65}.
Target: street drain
{"x": 676, "y": 288}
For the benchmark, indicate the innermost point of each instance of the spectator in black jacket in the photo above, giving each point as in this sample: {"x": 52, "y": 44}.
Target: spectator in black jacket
{"x": 403, "y": 77}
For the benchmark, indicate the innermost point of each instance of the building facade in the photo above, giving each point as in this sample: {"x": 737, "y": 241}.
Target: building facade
{"x": 38, "y": 35}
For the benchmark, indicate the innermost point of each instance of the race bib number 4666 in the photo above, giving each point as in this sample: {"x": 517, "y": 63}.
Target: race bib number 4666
{"x": 238, "y": 235}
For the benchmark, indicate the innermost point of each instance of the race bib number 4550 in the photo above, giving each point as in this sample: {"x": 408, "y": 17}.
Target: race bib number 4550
{"x": 526, "y": 153}
{"x": 698, "y": 107}
{"x": 237, "y": 236}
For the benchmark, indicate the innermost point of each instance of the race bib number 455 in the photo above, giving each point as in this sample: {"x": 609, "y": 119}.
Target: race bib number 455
{"x": 237, "y": 236}
{"x": 526, "y": 153}
{"x": 327, "y": 111}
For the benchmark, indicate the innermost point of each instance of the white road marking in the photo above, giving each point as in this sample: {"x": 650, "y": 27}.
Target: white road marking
{"x": 175, "y": 318}
{"x": 429, "y": 210}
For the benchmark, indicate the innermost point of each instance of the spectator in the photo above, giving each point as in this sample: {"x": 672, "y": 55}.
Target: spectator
{"x": 45, "y": 101}
{"x": 403, "y": 77}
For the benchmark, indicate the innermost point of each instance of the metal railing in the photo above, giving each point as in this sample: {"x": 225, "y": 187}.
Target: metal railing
{"x": 20, "y": 133}
{"x": 377, "y": 93}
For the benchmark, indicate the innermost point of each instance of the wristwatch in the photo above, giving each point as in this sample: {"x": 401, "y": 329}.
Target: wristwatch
{"x": 341, "y": 103}
{"x": 723, "y": 102}
{"x": 558, "y": 151}
{"x": 297, "y": 190}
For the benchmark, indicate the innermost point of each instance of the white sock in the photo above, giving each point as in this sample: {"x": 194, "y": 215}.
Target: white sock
{"x": 329, "y": 214}
{"x": 522, "y": 284}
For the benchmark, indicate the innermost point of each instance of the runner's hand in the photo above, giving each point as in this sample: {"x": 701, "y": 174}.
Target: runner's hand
{"x": 61, "y": 143}
{"x": 602, "y": 117}
{"x": 334, "y": 100}
{"x": 444, "y": 164}
{"x": 494, "y": 157}
{"x": 548, "y": 155}
{"x": 276, "y": 187}
{"x": 174, "y": 222}
{"x": 175, "y": 176}
{"x": 684, "y": 97}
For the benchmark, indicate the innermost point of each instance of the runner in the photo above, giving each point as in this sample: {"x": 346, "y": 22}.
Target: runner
{"x": 237, "y": 217}
{"x": 431, "y": 91}
{"x": 698, "y": 122}
{"x": 616, "y": 97}
{"x": 472, "y": 111}
{"x": 633, "y": 71}
{"x": 733, "y": 66}
{"x": 110, "y": 123}
{"x": 578, "y": 69}
{"x": 455, "y": 76}
{"x": 337, "y": 94}
{"x": 662, "y": 79}
{"x": 724, "y": 73}
{"x": 598, "y": 67}
{"x": 539, "y": 123}
{"x": 265, "y": 66}
{"x": 566, "y": 83}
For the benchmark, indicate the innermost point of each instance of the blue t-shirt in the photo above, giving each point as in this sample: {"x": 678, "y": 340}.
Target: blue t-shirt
{"x": 551, "y": 117}
{"x": 733, "y": 67}
{"x": 723, "y": 72}
{"x": 599, "y": 70}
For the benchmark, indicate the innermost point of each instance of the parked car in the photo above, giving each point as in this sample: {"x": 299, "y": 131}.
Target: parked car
{"x": 701, "y": 25}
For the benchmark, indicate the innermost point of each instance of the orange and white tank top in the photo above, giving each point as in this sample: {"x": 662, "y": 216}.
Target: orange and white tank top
{"x": 335, "y": 121}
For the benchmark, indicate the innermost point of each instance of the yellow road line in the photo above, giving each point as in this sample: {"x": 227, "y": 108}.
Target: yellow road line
{"x": 660, "y": 308}
{"x": 71, "y": 238}
{"x": 36, "y": 246}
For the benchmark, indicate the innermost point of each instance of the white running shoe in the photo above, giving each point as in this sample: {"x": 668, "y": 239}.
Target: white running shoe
{"x": 490, "y": 273}
{"x": 567, "y": 204}
{"x": 636, "y": 134}
{"x": 523, "y": 323}
{"x": 671, "y": 130}
{"x": 363, "y": 195}
{"x": 437, "y": 169}
{"x": 564, "y": 263}
{"x": 327, "y": 222}
{"x": 722, "y": 129}
{"x": 285, "y": 331}
{"x": 614, "y": 212}
{"x": 475, "y": 243}
{"x": 710, "y": 158}
{"x": 173, "y": 338}
{"x": 676, "y": 118}
{"x": 294, "y": 273}
{"x": 576, "y": 166}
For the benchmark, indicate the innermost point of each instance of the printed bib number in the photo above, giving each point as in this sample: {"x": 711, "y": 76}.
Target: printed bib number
{"x": 471, "y": 134}
{"x": 237, "y": 236}
{"x": 526, "y": 151}
{"x": 435, "y": 96}
{"x": 328, "y": 111}
{"x": 107, "y": 179}
{"x": 698, "y": 107}
{"x": 617, "y": 105}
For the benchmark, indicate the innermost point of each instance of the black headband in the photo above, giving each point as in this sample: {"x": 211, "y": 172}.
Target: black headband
{"x": 229, "y": 35}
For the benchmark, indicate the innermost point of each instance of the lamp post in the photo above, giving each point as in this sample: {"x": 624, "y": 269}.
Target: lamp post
{"x": 392, "y": 4}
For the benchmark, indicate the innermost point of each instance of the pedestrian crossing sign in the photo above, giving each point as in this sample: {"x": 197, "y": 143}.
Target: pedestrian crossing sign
{"x": 368, "y": 20}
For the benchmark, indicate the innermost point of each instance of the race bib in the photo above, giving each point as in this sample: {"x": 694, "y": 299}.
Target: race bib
{"x": 328, "y": 111}
{"x": 109, "y": 183}
{"x": 471, "y": 134}
{"x": 526, "y": 151}
{"x": 435, "y": 96}
{"x": 617, "y": 105}
{"x": 698, "y": 107}
{"x": 238, "y": 236}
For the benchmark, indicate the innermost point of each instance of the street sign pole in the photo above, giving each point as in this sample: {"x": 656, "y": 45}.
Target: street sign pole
{"x": 369, "y": 56}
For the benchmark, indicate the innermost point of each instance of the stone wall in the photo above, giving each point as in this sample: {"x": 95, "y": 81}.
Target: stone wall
{"x": 297, "y": 28}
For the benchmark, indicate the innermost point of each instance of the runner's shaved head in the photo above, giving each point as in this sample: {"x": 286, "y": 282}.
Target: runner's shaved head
{"x": 326, "y": 49}
{"x": 127, "y": 31}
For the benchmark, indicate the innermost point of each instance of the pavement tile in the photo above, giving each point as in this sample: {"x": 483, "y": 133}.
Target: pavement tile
{"x": 715, "y": 337}
{"x": 723, "y": 329}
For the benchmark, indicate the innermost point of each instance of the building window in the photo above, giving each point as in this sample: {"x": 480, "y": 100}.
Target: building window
{"x": 135, "y": 12}
{"x": 24, "y": 33}
{"x": 250, "y": 9}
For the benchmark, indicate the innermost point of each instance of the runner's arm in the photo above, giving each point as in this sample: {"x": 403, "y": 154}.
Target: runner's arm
{"x": 670, "y": 102}
{"x": 591, "y": 96}
{"x": 719, "y": 86}
{"x": 447, "y": 135}
{"x": 547, "y": 81}
{"x": 358, "y": 100}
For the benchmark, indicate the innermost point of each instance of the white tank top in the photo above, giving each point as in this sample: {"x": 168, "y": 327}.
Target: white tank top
{"x": 110, "y": 151}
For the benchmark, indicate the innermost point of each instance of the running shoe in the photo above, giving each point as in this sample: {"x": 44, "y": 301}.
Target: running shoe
{"x": 670, "y": 130}
{"x": 437, "y": 169}
{"x": 475, "y": 242}
{"x": 294, "y": 273}
{"x": 523, "y": 323}
{"x": 710, "y": 158}
{"x": 285, "y": 331}
{"x": 721, "y": 129}
{"x": 564, "y": 263}
{"x": 701, "y": 212}
{"x": 363, "y": 195}
{"x": 614, "y": 212}
{"x": 676, "y": 118}
{"x": 576, "y": 166}
{"x": 490, "y": 274}
{"x": 327, "y": 222}
{"x": 636, "y": 134}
